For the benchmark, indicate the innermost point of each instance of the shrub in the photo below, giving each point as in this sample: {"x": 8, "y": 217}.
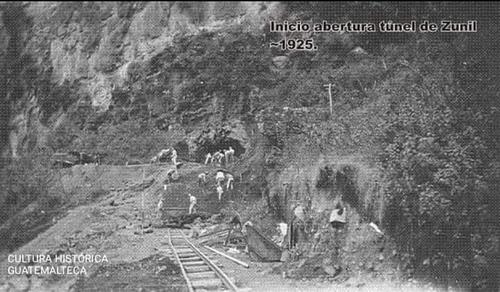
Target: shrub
{"x": 437, "y": 163}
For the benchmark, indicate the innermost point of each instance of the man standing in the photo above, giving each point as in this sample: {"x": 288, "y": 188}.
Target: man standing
{"x": 202, "y": 179}
{"x": 192, "y": 203}
{"x": 174, "y": 157}
{"x": 159, "y": 208}
{"x": 230, "y": 180}
{"x": 282, "y": 229}
{"x": 226, "y": 156}
{"x": 296, "y": 226}
{"x": 220, "y": 191}
{"x": 208, "y": 158}
{"x": 219, "y": 177}
{"x": 230, "y": 155}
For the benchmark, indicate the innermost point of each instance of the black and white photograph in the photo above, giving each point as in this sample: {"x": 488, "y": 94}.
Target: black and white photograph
{"x": 192, "y": 146}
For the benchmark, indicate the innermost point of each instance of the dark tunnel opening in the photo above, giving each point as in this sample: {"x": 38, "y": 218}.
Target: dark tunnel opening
{"x": 345, "y": 183}
{"x": 340, "y": 181}
{"x": 182, "y": 149}
{"x": 217, "y": 144}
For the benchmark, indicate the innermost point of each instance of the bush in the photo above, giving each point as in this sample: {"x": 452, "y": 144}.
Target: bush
{"x": 441, "y": 207}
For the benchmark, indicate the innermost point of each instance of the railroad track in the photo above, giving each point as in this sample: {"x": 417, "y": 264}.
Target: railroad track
{"x": 198, "y": 270}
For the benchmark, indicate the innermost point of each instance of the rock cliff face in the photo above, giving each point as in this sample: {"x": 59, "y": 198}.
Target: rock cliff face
{"x": 65, "y": 57}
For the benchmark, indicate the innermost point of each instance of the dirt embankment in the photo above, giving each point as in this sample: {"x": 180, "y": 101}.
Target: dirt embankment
{"x": 102, "y": 224}
{"x": 108, "y": 224}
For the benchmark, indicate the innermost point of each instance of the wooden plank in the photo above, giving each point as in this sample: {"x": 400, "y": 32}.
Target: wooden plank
{"x": 227, "y": 256}
{"x": 197, "y": 269}
{"x": 207, "y": 283}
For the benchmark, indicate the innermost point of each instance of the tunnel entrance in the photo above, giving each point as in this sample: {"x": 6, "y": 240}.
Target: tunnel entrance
{"x": 218, "y": 143}
{"x": 345, "y": 182}
{"x": 182, "y": 149}
{"x": 341, "y": 180}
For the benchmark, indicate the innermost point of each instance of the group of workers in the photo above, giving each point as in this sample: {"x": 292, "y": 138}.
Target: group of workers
{"x": 337, "y": 217}
{"x": 163, "y": 155}
{"x": 220, "y": 177}
{"x": 217, "y": 157}
{"x": 295, "y": 230}
{"x": 291, "y": 231}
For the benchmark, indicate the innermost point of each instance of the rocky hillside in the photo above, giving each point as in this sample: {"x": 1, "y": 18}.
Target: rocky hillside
{"x": 411, "y": 144}
{"x": 75, "y": 68}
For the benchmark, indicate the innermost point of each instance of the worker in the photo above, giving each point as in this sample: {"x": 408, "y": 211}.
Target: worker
{"x": 220, "y": 191}
{"x": 214, "y": 158}
{"x": 218, "y": 157}
{"x": 282, "y": 229}
{"x": 229, "y": 154}
{"x": 202, "y": 179}
{"x": 235, "y": 224}
{"x": 174, "y": 157}
{"x": 159, "y": 207}
{"x": 219, "y": 178}
{"x": 296, "y": 226}
{"x": 230, "y": 180}
{"x": 226, "y": 156}
{"x": 192, "y": 203}
{"x": 208, "y": 158}
{"x": 316, "y": 240}
{"x": 171, "y": 175}
{"x": 338, "y": 217}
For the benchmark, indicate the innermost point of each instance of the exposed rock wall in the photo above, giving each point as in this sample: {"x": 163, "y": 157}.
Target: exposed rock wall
{"x": 89, "y": 48}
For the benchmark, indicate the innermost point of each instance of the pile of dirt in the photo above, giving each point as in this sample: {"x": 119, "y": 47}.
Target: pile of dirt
{"x": 339, "y": 254}
{"x": 155, "y": 273}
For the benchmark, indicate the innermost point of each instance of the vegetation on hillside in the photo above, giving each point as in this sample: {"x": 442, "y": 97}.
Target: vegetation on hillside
{"x": 441, "y": 197}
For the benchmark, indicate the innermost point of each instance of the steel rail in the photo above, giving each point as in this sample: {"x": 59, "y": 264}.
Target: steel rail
{"x": 225, "y": 279}
{"x": 188, "y": 282}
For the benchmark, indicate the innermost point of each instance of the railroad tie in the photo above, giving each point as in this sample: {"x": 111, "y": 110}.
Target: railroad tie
{"x": 196, "y": 263}
{"x": 201, "y": 275}
{"x": 192, "y": 269}
{"x": 207, "y": 283}
{"x": 200, "y": 271}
